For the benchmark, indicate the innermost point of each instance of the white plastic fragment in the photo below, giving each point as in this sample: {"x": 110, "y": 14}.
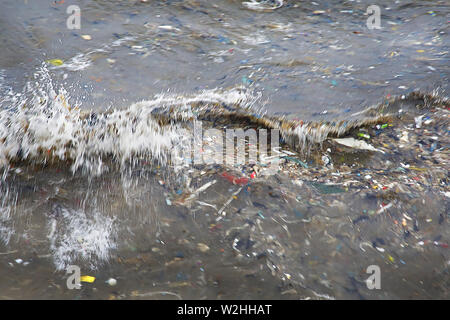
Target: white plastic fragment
{"x": 202, "y": 247}
{"x": 357, "y": 144}
{"x": 384, "y": 208}
{"x": 418, "y": 121}
{"x": 112, "y": 282}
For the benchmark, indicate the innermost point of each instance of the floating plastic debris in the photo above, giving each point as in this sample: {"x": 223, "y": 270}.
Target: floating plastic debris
{"x": 357, "y": 144}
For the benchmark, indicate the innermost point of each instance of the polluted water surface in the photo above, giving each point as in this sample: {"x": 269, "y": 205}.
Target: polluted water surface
{"x": 224, "y": 150}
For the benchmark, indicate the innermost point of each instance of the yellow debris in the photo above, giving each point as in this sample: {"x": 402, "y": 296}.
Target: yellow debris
{"x": 55, "y": 62}
{"x": 87, "y": 279}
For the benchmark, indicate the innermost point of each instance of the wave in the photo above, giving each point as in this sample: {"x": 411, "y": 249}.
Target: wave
{"x": 40, "y": 126}
{"x": 88, "y": 220}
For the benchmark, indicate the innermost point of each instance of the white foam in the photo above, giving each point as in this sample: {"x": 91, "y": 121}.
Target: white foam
{"x": 42, "y": 126}
{"x": 76, "y": 235}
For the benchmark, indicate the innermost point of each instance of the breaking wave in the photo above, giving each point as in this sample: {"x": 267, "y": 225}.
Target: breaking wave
{"x": 44, "y": 125}
{"x": 41, "y": 126}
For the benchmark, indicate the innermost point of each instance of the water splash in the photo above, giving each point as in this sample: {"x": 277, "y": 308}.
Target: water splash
{"x": 76, "y": 234}
{"x": 41, "y": 125}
